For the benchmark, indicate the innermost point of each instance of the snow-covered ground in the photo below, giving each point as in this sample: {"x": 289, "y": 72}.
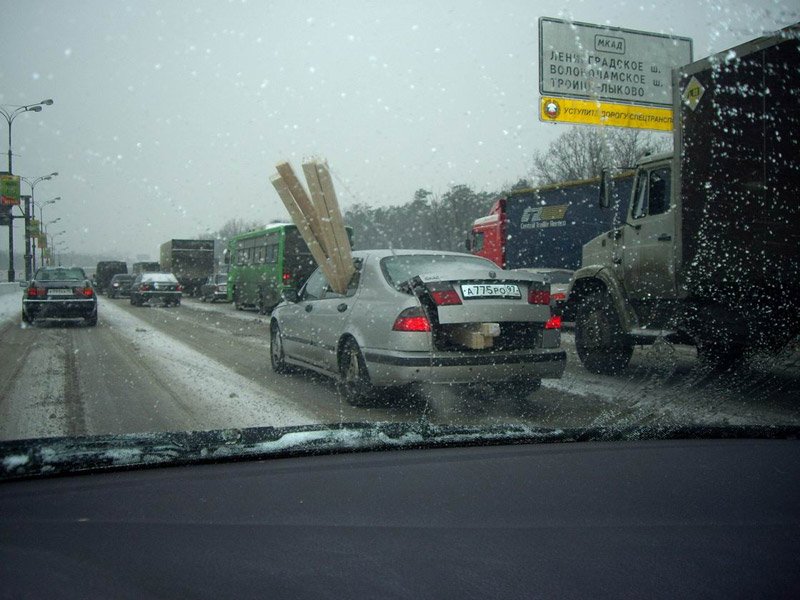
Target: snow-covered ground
{"x": 10, "y": 301}
{"x": 211, "y": 387}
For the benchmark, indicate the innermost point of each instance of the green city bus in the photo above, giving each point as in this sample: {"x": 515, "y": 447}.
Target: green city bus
{"x": 265, "y": 262}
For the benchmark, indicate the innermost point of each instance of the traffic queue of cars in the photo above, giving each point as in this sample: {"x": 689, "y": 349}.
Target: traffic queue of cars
{"x": 406, "y": 316}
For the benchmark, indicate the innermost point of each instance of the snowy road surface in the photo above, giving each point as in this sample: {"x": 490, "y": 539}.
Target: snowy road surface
{"x": 206, "y": 366}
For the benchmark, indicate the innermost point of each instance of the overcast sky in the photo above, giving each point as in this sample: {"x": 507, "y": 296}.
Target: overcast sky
{"x": 170, "y": 116}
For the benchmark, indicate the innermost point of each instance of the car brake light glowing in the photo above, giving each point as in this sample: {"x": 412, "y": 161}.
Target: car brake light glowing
{"x": 558, "y": 296}
{"x": 83, "y": 291}
{"x": 536, "y": 296}
{"x": 412, "y": 319}
{"x": 553, "y": 322}
{"x": 145, "y": 287}
{"x": 179, "y": 288}
{"x": 286, "y": 278}
{"x": 36, "y": 292}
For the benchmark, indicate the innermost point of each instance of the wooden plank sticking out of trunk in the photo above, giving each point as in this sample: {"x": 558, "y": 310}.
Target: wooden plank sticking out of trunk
{"x": 302, "y": 224}
{"x": 318, "y": 219}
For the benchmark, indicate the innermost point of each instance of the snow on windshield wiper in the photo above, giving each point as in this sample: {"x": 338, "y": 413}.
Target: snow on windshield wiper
{"x": 70, "y": 455}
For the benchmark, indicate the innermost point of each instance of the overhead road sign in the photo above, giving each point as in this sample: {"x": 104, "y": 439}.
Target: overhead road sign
{"x": 610, "y": 64}
{"x": 593, "y": 112}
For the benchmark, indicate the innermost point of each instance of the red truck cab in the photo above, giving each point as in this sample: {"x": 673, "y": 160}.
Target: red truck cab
{"x": 488, "y": 234}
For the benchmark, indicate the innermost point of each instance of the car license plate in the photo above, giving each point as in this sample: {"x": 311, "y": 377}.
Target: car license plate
{"x": 490, "y": 290}
{"x": 59, "y": 292}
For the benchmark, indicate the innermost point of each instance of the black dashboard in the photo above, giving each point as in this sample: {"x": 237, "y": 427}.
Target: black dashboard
{"x": 672, "y": 519}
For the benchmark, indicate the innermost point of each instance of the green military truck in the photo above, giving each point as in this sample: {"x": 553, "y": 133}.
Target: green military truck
{"x": 709, "y": 251}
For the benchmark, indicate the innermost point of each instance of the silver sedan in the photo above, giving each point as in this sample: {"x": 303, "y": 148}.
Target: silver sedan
{"x": 421, "y": 316}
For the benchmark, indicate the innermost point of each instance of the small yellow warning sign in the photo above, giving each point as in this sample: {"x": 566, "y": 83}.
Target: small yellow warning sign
{"x": 591, "y": 112}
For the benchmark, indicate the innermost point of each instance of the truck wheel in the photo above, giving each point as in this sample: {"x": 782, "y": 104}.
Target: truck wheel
{"x": 599, "y": 339}
{"x": 262, "y": 304}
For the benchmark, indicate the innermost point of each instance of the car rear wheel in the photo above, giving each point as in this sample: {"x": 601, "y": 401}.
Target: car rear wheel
{"x": 92, "y": 320}
{"x": 601, "y": 344}
{"x": 276, "y": 356}
{"x": 25, "y": 318}
{"x": 354, "y": 383}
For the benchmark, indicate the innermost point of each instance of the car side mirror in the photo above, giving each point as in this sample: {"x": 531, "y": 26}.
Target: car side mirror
{"x": 290, "y": 295}
{"x": 605, "y": 189}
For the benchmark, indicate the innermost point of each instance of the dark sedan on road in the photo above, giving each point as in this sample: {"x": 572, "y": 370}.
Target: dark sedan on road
{"x": 59, "y": 293}
{"x": 120, "y": 286}
{"x": 215, "y": 288}
{"x": 160, "y": 287}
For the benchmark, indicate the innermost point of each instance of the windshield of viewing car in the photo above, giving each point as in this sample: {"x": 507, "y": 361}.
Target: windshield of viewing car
{"x": 230, "y": 150}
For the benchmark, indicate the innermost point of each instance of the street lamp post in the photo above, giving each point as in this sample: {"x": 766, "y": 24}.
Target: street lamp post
{"x": 46, "y": 245}
{"x": 10, "y": 113}
{"x": 41, "y": 220}
{"x": 32, "y": 182}
{"x": 53, "y": 242}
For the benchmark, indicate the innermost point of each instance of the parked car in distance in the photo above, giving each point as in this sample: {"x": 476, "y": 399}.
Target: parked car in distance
{"x": 120, "y": 286}
{"x": 419, "y": 315}
{"x": 59, "y": 293}
{"x": 215, "y": 288}
{"x": 161, "y": 287}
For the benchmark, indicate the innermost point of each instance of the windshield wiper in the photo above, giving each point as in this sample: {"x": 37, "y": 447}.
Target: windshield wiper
{"x": 71, "y": 455}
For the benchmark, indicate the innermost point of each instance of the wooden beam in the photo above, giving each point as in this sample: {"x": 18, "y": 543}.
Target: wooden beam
{"x": 341, "y": 239}
{"x": 303, "y": 226}
{"x": 305, "y": 205}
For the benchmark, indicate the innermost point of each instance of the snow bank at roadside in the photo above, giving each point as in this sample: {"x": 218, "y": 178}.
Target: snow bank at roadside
{"x": 216, "y": 393}
{"x": 10, "y": 302}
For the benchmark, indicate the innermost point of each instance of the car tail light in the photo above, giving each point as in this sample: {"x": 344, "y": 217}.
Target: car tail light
{"x": 144, "y": 287}
{"x": 537, "y": 296}
{"x": 412, "y": 319}
{"x": 287, "y": 277}
{"x": 553, "y": 322}
{"x": 444, "y": 294}
{"x": 558, "y": 296}
{"x": 83, "y": 291}
{"x": 36, "y": 292}
{"x": 179, "y": 288}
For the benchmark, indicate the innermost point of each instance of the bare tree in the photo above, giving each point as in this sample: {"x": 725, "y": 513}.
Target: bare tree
{"x": 582, "y": 152}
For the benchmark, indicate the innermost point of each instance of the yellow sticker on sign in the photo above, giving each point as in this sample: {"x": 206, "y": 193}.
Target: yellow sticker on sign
{"x": 591, "y": 112}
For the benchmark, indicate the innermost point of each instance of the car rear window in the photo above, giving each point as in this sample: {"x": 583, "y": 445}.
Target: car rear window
{"x": 403, "y": 267}
{"x": 165, "y": 277}
{"x": 60, "y": 275}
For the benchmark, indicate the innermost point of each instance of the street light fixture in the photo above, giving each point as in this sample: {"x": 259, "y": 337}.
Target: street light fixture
{"x": 10, "y": 113}
{"x": 30, "y": 261}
